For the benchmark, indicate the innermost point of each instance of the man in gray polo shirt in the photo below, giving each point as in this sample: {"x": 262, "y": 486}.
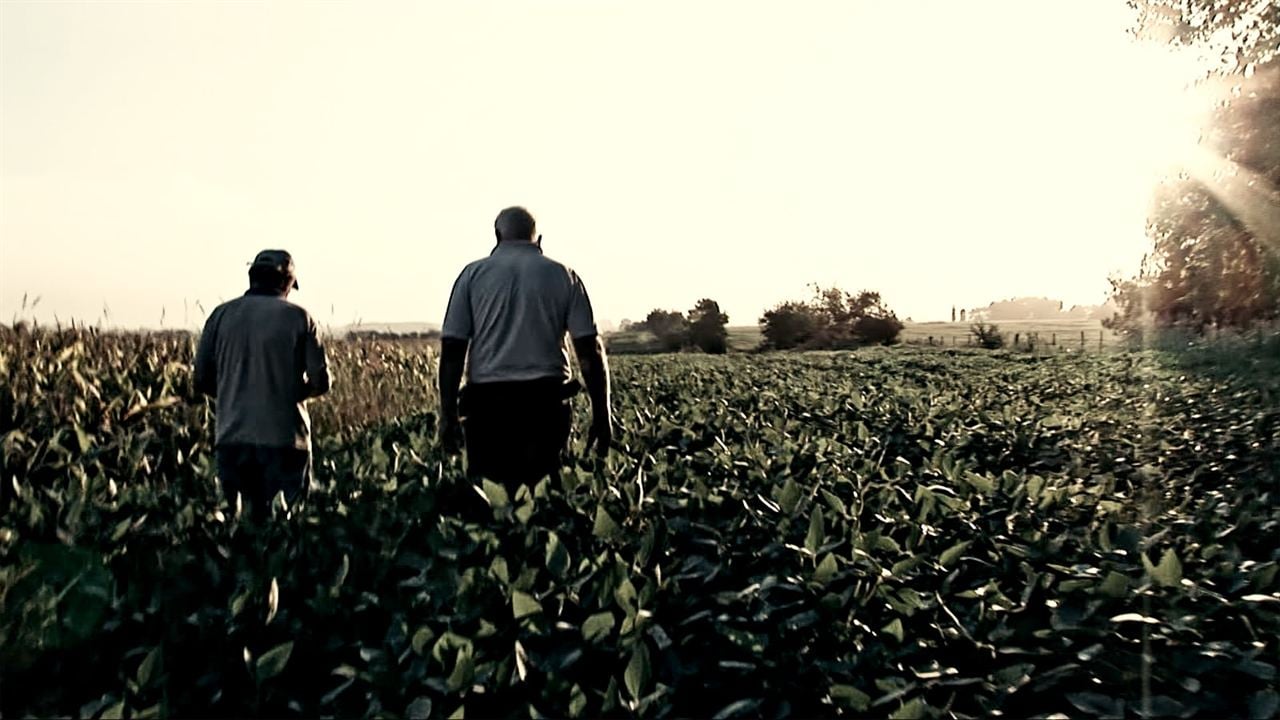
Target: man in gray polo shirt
{"x": 260, "y": 356}
{"x": 511, "y": 312}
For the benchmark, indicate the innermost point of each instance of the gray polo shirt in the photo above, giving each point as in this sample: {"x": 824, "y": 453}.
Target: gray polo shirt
{"x": 516, "y": 307}
{"x": 263, "y": 356}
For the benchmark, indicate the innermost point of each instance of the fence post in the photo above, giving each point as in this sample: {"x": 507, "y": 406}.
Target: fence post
{"x": 1054, "y": 340}
{"x": 1099, "y": 339}
{"x": 1081, "y": 339}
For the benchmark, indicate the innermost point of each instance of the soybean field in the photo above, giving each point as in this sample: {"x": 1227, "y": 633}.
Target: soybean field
{"x": 889, "y": 532}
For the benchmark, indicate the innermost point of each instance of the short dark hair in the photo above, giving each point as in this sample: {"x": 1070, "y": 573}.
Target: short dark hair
{"x": 269, "y": 278}
{"x": 514, "y": 223}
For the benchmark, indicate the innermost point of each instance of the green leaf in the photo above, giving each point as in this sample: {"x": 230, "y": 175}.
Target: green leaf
{"x": 273, "y": 601}
{"x": 625, "y": 595}
{"x": 273, "y": 661}
{"x": 495, "y": 494}
{"x": 464, "y": 670}
{"x": 817, "y": 531}
{"x": 121, "y": 528}
{"x": 833, "y": 502}
{"x": 419, "y": 709}
{"x": 147, "y": 669}
{"x": 827, "y": 569}
{"x": 577, "y": 702}
{"x": 980, "y": 483}
{"x": 1264, "y": 704}
{"x": 557, "y": 556}
{"x": 850, "y": 697}
{"x": 894, "y": 628}
{"x": 115, "y": 712}
{"x": 789, "y": 496}
{"x": 1116, "y": 585}
{"x": 637, "y": 674}
{"x": 605, "y": 527}
{"x": 524, "y": 605}
{"x": 1135, "y": 617}
{"x": 1096, "y": 704}
{"x": 422, "y": 638}
{"x": 746, "y": 707}
{"x": 597, "y": 627}
{"x": 1169, "y": 572}
{"x": 1258, "y": 669}
{"x": 914, "y": 710}
{"x": 952, "y": 553}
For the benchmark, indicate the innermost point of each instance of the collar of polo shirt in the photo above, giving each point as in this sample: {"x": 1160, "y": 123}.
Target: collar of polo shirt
{"x": 516, "y": 245}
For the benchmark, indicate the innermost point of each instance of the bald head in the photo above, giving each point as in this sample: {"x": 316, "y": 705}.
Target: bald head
{"x": 514, "y": 223}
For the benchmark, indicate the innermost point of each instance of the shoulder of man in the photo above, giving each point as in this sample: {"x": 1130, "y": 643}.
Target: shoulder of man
{"x": 560, "y": 266}
{"x": 303, "y": 315}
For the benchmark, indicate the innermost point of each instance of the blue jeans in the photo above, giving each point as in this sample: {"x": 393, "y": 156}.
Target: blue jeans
{"x": 258, "y": 473}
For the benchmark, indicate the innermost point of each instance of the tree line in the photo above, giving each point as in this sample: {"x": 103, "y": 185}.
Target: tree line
{"x": 831, "y": 319}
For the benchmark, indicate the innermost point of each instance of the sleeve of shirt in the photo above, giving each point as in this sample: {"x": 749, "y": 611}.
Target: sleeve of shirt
{"x": 317, "y": 363}
{"x": 457, "y": 317}
{"x": 581, "y": 321}
{"x": 206, "y": 366}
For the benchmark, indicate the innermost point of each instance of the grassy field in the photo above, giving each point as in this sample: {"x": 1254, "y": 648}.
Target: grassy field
{"x": 1052, "y": 335}
{"x": 889, "y": 532}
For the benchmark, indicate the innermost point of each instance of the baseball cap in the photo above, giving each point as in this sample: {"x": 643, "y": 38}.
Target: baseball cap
{"x": 280, "y": 261}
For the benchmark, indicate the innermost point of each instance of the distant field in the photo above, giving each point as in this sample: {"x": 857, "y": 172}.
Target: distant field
{"x": 1065, "y": 333}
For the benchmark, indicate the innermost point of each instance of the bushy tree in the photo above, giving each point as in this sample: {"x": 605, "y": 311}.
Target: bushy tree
{"x": 987, "y": 336}
{"x": 669, "y": 327}
{"x": 1215, "y": 230}
{"x": 832, "y": 319}
{"x": 706, "y": 327}
{"x": 789, "y": 325}
{"x": 1206, "y": 268}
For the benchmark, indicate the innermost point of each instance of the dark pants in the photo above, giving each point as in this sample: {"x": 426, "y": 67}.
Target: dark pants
{"x": 258, "y": 473}
{"x": 516, "y": 432}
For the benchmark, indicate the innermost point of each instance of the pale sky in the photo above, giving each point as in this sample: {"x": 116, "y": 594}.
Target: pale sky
{"x": 939, "y": 152}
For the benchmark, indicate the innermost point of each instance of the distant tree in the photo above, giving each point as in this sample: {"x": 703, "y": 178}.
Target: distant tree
{"x": 1206, "y": 268}
{"x": 789, "y": 325}
{"x": 987, "y": 336}
{"x": 961, "y": 314}
{"x": 1215, "y": 231}
{"x": 706, "y": 327}
{"x": 832, "y": 319}
{"x": 624, "y": 325}
{"x": 669, "y": 327}
{"x": 953, "y": 313}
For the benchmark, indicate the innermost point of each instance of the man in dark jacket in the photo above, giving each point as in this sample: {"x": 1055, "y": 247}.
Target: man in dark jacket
{"x": 506, "y": 323}
{"x": 261, "y": 357}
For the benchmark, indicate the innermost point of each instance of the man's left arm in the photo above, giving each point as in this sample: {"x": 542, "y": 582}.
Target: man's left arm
{"x": 589, "y": 348}
{"x": 455, "y": 338}
{"x": 206, "y": 364}
{"x": 453, "y": 358}
{"x": 316, "y": 363}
